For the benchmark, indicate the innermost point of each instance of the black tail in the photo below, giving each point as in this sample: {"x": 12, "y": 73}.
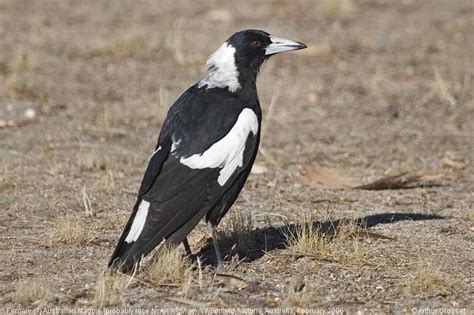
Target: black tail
{"x": 120, "y": 258}
{"x": 159, "y": 226}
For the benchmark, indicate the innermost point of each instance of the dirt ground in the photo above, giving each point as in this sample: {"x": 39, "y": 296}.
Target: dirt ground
{"x": 385, "y": 87}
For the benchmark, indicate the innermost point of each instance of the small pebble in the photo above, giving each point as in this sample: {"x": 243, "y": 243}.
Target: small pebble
{"x": 30, "y": 113}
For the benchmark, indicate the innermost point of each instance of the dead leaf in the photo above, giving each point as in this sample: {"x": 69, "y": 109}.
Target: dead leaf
{"x": 403, "y": 180}
{"x": 447, "y": 161}
{"x": 320, "y": 177}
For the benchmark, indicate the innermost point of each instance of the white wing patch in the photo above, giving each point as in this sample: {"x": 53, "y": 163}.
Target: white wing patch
{"x": 227, "y": 153}
{"x": 175, "y": 144}
{"x": 156, "y": 151}
{"x": 138, "y": 222}
{"x": 222, "y": 71}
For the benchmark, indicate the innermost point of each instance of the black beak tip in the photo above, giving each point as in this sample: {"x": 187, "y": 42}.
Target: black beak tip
{"x": 302, "y": 46}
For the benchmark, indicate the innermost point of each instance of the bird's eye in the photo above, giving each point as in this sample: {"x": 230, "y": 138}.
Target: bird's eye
{"x": 256, "y": 44}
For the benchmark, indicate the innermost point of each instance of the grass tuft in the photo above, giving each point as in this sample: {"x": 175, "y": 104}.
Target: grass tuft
{"x": 347, "y": 230}
{"x": 354, "y": 254}
{"x": 429, "y": 279}
{"x": 90, "y": 212}
{"x": 241, "y": 226}
{"x": 92, "y": 162}
{"x": 69, "y": 230}
{"x": 110, "y": 288}
{"x": 343, "y": 246}
{"x": 18, "y": 88}
{"x": 307, "y": 240}
{"x": 169, "y": 265}
{"x": 29, "y": 291}
{"x": 296, "y": 293}
{"x": 106, "y": 181}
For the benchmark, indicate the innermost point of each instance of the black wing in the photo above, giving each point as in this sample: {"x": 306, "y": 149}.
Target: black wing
{"x": 180, "y": 196}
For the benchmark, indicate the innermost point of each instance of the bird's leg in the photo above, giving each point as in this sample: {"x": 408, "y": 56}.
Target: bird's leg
{"x": 187, "y": 249}
{"x": 220, "y": 263}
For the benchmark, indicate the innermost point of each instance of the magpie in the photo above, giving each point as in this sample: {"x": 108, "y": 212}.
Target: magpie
{"x": 205, "y": 151}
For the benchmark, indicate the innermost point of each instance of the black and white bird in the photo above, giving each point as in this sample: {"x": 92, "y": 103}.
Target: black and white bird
{"x": 205, "y": 151}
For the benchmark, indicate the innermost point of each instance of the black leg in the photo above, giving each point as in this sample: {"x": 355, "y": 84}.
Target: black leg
{"x": 187, "y": 249}
{"x": 220, "y": 263}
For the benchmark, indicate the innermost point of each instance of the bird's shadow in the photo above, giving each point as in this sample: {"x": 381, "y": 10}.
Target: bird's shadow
{"x": 273, "y": 238}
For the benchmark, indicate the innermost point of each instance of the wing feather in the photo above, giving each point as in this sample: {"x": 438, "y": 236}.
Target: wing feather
{"x": 178, "y": 195}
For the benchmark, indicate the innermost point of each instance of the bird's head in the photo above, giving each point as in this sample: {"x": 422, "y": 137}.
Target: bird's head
{"x": 252, "y": 47}
{"x": 236, "y": 62}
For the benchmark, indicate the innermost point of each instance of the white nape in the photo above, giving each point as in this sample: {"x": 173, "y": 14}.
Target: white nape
{"x": 227, "y": 153}
{"x": 221, "y": 69}
{"x": 138, "y": 222}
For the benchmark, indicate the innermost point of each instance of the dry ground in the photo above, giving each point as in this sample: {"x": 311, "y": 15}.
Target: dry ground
{"x": 384, "y": 87}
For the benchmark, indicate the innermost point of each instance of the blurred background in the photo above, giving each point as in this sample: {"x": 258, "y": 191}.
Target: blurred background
{"x": 384, "y": 87}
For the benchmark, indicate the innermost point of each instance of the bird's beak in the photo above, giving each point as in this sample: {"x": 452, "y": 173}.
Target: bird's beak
{"x": 279, "y": 45}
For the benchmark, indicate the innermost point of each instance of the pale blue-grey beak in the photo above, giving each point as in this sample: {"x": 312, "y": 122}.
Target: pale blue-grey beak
{"x": 280, "y": 44}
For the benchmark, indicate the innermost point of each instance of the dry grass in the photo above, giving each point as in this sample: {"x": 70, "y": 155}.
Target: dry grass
{"x": 308, "y": 241}
{"x": 123, "y": 109}
{"x": 113, "y": 221}
{"x": 174, "y": 45}
{"x": 92, "y": 161}
{"x": 338, "y": 7}
{"x": 4, "y": 175}
{"x": 344, "y": 247}
{"x": 15, "y": 84}
{"x": 241, "y": 226}
{"x": 19, "y": 89}
{"x": 90, "y": 212}
{"x": 349, "y": 249}
{"x": 110, "y": 288}
{"x": 104, "y": 169}
{"x": 347, "y": 229}
{"x": 116, "y": 114}
{"x": 296, "y": 293}
{"x": 443, "y": 89}
{"x": 29, "y": 291}
{"x": 135, "y": 45}
{"x": 234, "y": 264}
{"x": 27, "y": 60}
{"x": 169, "y": 265}
{"x": 106, "y": 181}
{"x": 70, "y": 230}
{"x": 429, "y": 279}
{"x": 355, "y": 254}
